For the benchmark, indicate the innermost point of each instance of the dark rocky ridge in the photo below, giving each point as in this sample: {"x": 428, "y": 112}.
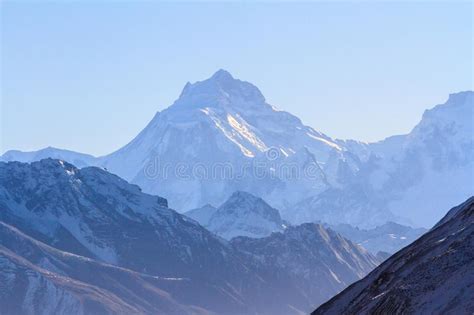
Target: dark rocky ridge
{"x": 433, "y": 275}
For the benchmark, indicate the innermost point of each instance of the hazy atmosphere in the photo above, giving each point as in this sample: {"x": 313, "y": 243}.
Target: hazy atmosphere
{"x": 236, "y": 158}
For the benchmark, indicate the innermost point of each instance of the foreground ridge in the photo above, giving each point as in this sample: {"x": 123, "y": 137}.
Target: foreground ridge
{"x": 435, "y": 274}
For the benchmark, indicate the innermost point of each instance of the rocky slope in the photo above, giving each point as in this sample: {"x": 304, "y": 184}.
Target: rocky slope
{"x": 27, "y": 289}
{"x": 241, "y": 215}
{"x": 202, "y": 214}
{"x": 39, "y": 279}
{"x": 309, "y": 251}
{"x": 85, "y": 211}
{"x": 433, "y": 275}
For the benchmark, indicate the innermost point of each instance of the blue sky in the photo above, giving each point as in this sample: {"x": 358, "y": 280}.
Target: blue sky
{"x": 88, "y": 76}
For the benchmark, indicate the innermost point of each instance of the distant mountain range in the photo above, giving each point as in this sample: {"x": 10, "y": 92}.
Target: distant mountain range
{"x": 412, "y": 176}
{"x": 221, "y": 136}
{"x": 84, "y": 241}
{"x": 246, "y": 215}
{"x": 389, "y": 237}
{"x": 433, "y": 275}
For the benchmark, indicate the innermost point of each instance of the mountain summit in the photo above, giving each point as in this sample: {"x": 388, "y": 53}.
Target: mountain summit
{"x": 216, "y": 132}
{"x": 217, "y": 138}
{"x": 220, "y": 90}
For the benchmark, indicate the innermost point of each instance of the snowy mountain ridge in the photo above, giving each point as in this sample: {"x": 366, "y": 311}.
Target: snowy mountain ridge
{"x": 409, "y": 179}
{"x": 221, "y": 136}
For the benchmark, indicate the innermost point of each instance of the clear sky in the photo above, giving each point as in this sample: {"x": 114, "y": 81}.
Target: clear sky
{"x": 88, "y": 76}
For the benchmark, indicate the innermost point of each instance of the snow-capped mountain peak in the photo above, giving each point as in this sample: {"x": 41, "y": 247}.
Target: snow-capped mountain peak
{"x": 221, "y": 136}
{"x": 219, "y": 91}
{"x": 243, "y": 214}
{"x": 241, "y": 200}
{"x": 220, "y": 121}
{"x": 222, "y": 74}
